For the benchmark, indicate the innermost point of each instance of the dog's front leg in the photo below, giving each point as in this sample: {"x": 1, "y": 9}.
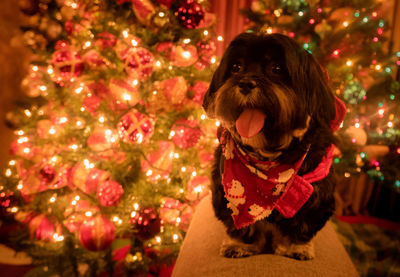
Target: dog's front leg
{"x": 304, "y": 251}
{"x": 232, "y": 248}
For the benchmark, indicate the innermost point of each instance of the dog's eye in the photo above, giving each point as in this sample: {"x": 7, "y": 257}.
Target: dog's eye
{"x": 277, "y": 69}
{"x": 236, "y": 68}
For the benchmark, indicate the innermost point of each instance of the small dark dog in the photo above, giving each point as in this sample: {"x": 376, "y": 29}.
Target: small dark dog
{"x": 272, "y": 187}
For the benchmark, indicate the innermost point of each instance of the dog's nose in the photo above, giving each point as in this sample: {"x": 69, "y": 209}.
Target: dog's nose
{"x": 246, "y": 86}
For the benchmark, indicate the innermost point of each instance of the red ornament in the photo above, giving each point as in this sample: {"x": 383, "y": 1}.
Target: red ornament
{"x": 135, "y": 127}
{"x": 41, "y": 228}
{"x": 47, "y": 173}
{"x": 105, "y": 40}
{"x": 91, "y": 104}
{"x": 66, "y": 62}
{"x": 97, "y": 233}
{"x": 109, "y": 193}
{"x": 7, "y": 202}
{"x": 186, "y": 133}
{"x": 147, "y": 223}
{"x": 189, "y": 14}
{"x": 123, "y": 94}
{"x": 138, "y": 62}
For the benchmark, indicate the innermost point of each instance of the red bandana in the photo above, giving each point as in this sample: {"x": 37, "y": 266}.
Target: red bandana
{"x": 255, "y": 188}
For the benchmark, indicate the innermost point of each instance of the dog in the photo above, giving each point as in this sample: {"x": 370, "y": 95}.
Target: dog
{"x": 271, "y": 182}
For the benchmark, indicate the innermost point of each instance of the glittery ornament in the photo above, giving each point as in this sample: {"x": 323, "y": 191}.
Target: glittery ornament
{"x": 186, "y": 133}
{"x": 138, "y": 62}
{"x": 135, "y": 127}
{"x": 67, "y": 64}
{"x": 109, "y": 193}
{"x": 147, "y": 223}
{"x": 97, "y": 233}
{"x": 47, "y": 173}
{"x": 7, "y": 202}
{"x": 189, "y": 14}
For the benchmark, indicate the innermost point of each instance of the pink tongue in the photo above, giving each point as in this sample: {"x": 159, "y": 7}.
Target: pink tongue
{"x": 250, "y": 123}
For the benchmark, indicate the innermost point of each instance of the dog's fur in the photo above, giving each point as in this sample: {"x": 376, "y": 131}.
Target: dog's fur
{"x": 272, "y": 73}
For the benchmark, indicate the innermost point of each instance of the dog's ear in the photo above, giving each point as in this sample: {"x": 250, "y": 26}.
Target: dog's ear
{"x": 319, "y": 99}
{"x": 216, "y": 82}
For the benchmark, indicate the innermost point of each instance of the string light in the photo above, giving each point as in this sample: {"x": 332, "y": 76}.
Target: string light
{"x": 28, "y": 113}
{"x": 220, "y": 38}
{"x": 205, "y": 33}
{"x": 35, "y": 68}
{"x": 301, "y": 13}
{"x": 125, "y": 33}
{"x": 349, "y": 63}
{"x": 346, "y": 23}
{"x": 20, "y": 186}
{"x": 186, "y": 40}
{"x": 134, "y": 43}
{"x": 8, "y": 172}
{"x": 88, "y": 213}
{"x": 12, "y": 162}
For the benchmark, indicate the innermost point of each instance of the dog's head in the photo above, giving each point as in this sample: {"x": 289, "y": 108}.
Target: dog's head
{"x": 268, "y": 92}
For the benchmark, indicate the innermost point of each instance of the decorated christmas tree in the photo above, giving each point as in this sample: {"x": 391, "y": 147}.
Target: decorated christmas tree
{"x": 112, "y": 148}
{"x": 350, "y": 40}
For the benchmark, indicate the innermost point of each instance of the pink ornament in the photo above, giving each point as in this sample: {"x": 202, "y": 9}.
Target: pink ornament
{"x": 135, "y": 127}
{"x": 197, "y": 188}
{"x": 199, "y": 89}
{"x": 97, "y": 233}
{"x": 184, "y": 55}
{"x": 158, "y": 164}
{"x": 41, "y": 228}
{"x": 175, "y": 90}
{"x": 143, "y": 10}
{"x": 102, "y": 139}
{"x": 186, "y": 133}
{"x": 109, "y": 193}
{"x": 91, "y": 104}
{"x": 88, "y": 179}
{"x": 123, "y": 94}
{"x": 138, "y": 62}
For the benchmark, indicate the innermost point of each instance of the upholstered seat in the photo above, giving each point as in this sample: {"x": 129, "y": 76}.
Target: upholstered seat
{"x": 199, "y": 255}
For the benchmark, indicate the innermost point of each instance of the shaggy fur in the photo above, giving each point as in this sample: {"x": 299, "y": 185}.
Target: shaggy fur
{"x": 272, "y": 73}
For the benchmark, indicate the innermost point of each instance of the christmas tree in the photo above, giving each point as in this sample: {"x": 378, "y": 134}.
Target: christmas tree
{"x": 350, "y": 40}
{"x": 112, "y": 148}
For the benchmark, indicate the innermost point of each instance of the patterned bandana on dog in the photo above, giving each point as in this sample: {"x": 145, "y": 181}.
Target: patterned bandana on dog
{"x": 255, "y": 188}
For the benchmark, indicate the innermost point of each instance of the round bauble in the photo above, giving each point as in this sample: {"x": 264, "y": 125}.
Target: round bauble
{"x": 189, "y": 14}
{"x": 97, "y": 233}
{"x": 109, "y": 193}
{"x": 135, "y": 127}
{"x": 147, "y": 223}
{"x": 186, "y": 133}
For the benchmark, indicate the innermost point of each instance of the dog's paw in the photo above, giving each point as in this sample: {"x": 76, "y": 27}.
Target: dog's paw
{"x": 237, "y": 250}
{"x": 297, "y": 251}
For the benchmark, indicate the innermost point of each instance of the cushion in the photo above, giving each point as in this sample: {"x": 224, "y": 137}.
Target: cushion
{"x": 199, "y": 255}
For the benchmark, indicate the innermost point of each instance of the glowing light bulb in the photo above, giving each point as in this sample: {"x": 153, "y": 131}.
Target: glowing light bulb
{"x": 134, "y": 43}
{"x": 203, "y": 116}
{"x": 50, "y": 70}
{"x": 125, "y": 33}
{"x": 357, "y": 125}
{"x": 175, "y": 237}
{"x": 12, "y": 162}
{"x": 28, "y": 113}
{"x": 35, "y": 68}
{"x": 349, "y": 63}
{"x": 101, "y": 119}
{"x": 186, "y": 54}
{"x": 345, "y": 24}
{"x": 52, "y": 199}
{"x": 20, "y": 186}
{"x": 217, "y": 123}
{"x": 186, "y": 40}
{"x": 78, "y": 90}
{"x": 88, "y": 213}
{"x": 87, "y": 44}
{"x": 158, "y": 239}
{"x": 149, "y": 172}
{"x": 158, "y": 63}
{"x": 8, "y": 172}
{"x": 183, "y": 169}
{"x": 205, "y": 33}
{"x": 52, "y": 131}
{"x": 220, "y": 38}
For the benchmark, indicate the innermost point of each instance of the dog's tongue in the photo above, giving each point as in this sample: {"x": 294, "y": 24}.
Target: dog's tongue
{"x": 250, "y": 123}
